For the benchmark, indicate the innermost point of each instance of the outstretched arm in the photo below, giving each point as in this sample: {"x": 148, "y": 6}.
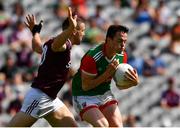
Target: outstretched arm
{"x": 59, "y": 41}
{"x": 35, "y": 29}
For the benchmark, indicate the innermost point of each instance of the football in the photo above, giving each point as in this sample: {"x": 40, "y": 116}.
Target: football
{"x": 119, "y": 74}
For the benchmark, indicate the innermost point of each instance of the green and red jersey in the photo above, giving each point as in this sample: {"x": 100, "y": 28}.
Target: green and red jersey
{"x": 94, "y": 63}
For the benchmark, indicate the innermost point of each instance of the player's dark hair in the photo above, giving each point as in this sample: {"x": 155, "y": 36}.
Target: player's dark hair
{"x": 113, "y": 29}
{"x": 65, "y": 23}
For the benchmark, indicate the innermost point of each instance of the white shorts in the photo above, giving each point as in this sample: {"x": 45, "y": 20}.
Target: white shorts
{"x": 84, "y": 103}
{"x": 38, "y": 104}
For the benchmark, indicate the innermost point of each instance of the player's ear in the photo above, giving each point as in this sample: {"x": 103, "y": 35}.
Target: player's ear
{"x": 108, "y": 39}
{"x": 74, "y": 33}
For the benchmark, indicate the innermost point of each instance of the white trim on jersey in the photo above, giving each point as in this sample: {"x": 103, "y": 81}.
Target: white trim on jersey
{"x": 110, "y": 60}
{"x": 98, "y": 55}
{"x": 89, "y": 73}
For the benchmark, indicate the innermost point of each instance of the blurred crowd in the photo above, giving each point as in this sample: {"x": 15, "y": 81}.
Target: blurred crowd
{"x": 153, "y": 44}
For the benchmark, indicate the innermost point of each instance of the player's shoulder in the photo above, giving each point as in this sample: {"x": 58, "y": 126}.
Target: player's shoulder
{"x": 49, "y": 41}
{"x": 95, "y": 51}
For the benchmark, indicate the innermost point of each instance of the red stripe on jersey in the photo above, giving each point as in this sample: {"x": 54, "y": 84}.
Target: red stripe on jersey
{"x": 88, "y": 64}
{"x": 125, "y": 58}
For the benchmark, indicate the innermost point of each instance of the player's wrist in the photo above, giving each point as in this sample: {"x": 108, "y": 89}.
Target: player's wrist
{"x": 37, "y": 28}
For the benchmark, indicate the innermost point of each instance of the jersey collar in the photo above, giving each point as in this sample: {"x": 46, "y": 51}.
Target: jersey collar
{"x": 105, "y": 55}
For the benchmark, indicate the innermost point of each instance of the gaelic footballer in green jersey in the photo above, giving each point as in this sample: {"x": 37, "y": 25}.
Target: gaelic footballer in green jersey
{"x": 92, "y": 97}
{"x": 94, "y": 63}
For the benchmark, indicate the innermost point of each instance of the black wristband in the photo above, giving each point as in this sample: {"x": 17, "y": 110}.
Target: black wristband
{"x": 37, "y": 28}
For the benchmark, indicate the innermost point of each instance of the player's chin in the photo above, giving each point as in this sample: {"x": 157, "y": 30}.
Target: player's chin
{"x": 123, "y": 49}
{"x": 119, "y": 50}
{"x": 79, "y": 41}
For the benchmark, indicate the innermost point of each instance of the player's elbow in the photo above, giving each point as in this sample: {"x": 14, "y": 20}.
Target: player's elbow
{"x": 85, "y": 88}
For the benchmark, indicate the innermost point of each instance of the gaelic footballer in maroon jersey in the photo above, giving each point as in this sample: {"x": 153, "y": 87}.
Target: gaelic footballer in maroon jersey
{"x": 53, "y": 69}
{"x": 41, "y": 100}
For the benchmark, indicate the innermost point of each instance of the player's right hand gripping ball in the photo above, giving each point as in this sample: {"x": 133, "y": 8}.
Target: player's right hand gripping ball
{"x": 119, "y": 78}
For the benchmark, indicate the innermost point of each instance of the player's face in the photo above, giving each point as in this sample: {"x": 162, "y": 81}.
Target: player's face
{"x": 119, "y": 41}
{"x": 79, "y": 33}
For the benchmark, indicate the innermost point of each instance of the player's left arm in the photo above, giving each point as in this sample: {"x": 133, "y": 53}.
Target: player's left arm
{"x": 35, "y": 29}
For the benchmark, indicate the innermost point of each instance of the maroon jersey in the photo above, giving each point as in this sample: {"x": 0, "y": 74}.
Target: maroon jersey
{"x": 53, "y": 69}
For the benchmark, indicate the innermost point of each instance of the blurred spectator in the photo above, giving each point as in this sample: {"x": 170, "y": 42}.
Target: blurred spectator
{"x": 135, "y": 61}
{"x": 144, "y": 12}
{"x": 153, "y": 64}
{"x": 60, "y": 9}
{"x": 4, "y": 17}
{"x": 134, "y": 4}
{"x": 15, "y": 105}
{"x": 130, "y": 121}
{"x": 175, "y": 33}
{"x": 18, "y": 85}
{"x": 9, "y": 68}
{"x": 18, "y": 13}
{"x": 178, "y": 16}
{"x": 159, "y": 30}
{"x": 4, "y": 22}
{"x": 164, "y": 12}
{"x": 160, "y": 34}
{"x": 174, "y": 46}
{"x": 124, "y": 3}
{"x": 170, "y": 97}
{"x": 93, "y": 34}
{"x": 2, "y": 91}
{"x": 20, "y": 34}
{"x": 98, "y": 17}
{"x": 27, "y": 62}
{"x": 80, "y": 8}
{"x": 24, "y": 56}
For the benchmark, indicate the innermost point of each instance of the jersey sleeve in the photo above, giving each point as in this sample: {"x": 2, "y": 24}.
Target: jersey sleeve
{"x": 88, "y": 65}
{"x": 48, "y": 43}
{"x": 125, "y": 58}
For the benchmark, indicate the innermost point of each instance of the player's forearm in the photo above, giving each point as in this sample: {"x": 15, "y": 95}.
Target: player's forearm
{"x": 36, "y": 43}
{"x": 93, "y": 83}
{"x": 61, "y": 39}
